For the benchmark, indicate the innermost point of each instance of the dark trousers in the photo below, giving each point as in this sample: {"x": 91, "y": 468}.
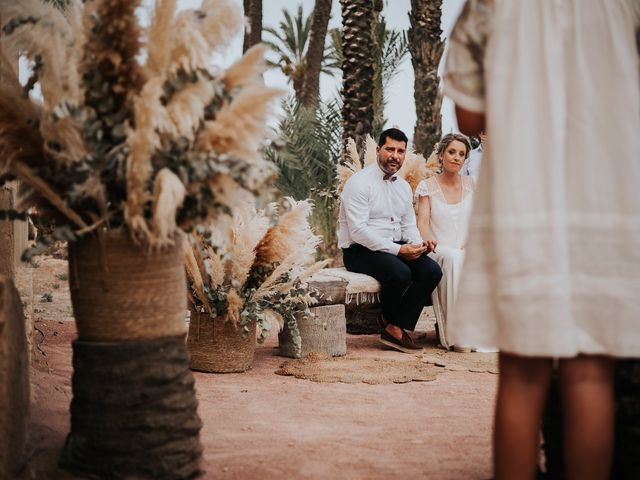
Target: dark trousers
{"x": 406, "y": 285}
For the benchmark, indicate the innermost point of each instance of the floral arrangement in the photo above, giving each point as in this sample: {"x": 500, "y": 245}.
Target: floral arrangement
{"x": 414, "y": 169}
{"x": 154, "y": 145}
{"x": 255, "y": 272}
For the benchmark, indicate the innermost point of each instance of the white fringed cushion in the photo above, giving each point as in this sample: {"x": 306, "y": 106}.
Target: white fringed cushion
{"x": 360, "y": 288}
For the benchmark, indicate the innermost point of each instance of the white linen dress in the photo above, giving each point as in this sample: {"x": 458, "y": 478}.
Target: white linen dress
{"x": 448, "y": 224}
{"x": 553, "y": 258}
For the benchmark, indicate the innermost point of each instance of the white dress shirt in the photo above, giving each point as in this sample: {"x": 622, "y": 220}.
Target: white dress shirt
{"x": 471, "y": 166}
{"x": 375, "y": 212}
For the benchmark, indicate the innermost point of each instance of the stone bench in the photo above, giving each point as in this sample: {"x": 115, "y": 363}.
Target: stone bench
{"x": 357, "y": 292}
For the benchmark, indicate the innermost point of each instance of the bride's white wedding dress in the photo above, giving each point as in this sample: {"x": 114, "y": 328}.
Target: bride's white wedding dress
{"x": 448, "y": 224}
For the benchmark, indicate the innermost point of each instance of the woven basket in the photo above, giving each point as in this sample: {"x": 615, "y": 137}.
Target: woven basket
{"x": 218, "y": 346}
{"x": 119, "y": 292}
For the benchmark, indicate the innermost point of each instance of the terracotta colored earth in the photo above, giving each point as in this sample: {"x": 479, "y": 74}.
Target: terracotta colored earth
{"x": 259, "y": 425}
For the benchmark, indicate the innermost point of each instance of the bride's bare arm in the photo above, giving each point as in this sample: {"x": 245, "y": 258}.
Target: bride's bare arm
{"x": 423, "y": 219}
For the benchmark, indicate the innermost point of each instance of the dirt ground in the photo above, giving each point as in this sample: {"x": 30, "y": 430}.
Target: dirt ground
{"x": 259, "y": 425}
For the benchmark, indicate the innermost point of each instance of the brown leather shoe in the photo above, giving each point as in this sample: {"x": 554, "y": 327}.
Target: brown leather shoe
{"x": 405, "y": 345}
{"x": 382, "y": 322}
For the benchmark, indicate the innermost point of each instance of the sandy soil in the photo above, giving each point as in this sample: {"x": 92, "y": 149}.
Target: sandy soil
{"x": 262, "y": 425}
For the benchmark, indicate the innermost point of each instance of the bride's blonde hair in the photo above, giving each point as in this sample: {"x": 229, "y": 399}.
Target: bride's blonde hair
{"x": 447, "y": 139}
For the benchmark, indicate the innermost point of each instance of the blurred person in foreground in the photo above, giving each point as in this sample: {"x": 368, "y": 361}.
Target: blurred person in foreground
{"x": 553, "y": 260}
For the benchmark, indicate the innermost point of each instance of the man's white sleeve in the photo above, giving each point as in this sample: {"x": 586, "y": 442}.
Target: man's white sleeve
{"x": 355, "y": 201}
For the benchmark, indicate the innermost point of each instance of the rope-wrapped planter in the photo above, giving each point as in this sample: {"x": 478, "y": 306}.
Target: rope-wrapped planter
{"x": 217, "y": 345}
{"x": 134, "y": 412}
{"x": 119, "y": 292}
{"x": 323, "y": 331}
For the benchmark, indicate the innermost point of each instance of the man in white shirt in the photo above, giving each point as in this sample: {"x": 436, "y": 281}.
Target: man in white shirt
{"x": 471, "y": 166}
{"x": 378, "y": 236}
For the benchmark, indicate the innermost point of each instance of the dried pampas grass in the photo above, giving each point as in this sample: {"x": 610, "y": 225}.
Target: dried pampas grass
{"x": 247, "y": 70}
{"x": 143, "y": 140}
{"x": 20, "y": 140}
{"x": 159, "y": 38}
{"x": 195, "y": 275}
{"x": 48, "y": 42}
{"x": 414, "y": 169}
{"x": 168, "y": 194}
{"x": 370, "y": 154}
{"x": 126, "y": 144}
{"x": 188, "y": 49}
{"x": 291, "y": 231}
{"x": 249, "y": 227}
{"x": 433, "y": 163}
{"x": 187, "y": 107}
{"x": 235, "y": 304}
{"x": 214, "y": 268}
{"x": 111, "y": 50}
{"x": 240, "y": 125}
{"x": 222, "y": 21}
{"x": 353, "y": 163}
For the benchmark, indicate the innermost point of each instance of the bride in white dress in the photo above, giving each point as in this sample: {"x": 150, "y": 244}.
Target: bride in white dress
{"x": 444, "y": 206}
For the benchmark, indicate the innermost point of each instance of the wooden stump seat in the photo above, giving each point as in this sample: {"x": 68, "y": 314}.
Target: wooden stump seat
{"x": 359, "y": 293}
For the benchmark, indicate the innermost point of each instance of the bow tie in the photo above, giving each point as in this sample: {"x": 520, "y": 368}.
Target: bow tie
{"x": 390, "y": 177}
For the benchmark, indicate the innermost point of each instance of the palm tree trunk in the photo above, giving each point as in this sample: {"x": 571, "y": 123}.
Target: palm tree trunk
{"x": 357, "y": 69}
{"x": 315, "y": 52}
{"x": 426, "y": 47}
{"x": 252, "y": 36}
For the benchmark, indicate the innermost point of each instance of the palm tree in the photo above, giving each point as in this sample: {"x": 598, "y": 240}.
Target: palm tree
{"x": 253, "y": 35}
{"x": 307, "y": 163}
{"x": 291, "y": 42}
{"x": 390, "y": 48}
{"x": 426, "y": 47}
{"x": 357, "y": 69}
{"x": 315, "y": 53}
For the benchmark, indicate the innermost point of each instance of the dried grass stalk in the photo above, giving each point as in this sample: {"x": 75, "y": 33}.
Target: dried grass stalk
{"x": 240, "y": 125}
{"x": 50, "y": 38}
{"x": 194, "y": 274}
{"x": 168, "y": 194}
{"x": 222, "y": 22}
{"x": 143, "y": 141}
{"x": 111, "y": 49}
{"x": 249, "y": 227}
{"x": 235, "y": 304}
{"x": 214, "y": 268}
{"x": 247, "y": 70}
{"x": 414, "y": 169}
{"x": 186, "y": 108}
{"x": 159, "y": 38}
{"x": 291, "y": 231}
{"x": 370, "y": 155}
{"x": 188, "y": 49}
{"x": 433, "y": 163}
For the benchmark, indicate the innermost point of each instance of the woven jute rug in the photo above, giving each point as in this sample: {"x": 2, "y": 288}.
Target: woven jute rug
{"x": 323, "y": 368}
{"x": 450, "y": 360}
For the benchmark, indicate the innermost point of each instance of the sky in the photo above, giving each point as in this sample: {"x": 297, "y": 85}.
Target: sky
{"x": 400, "y": 110}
